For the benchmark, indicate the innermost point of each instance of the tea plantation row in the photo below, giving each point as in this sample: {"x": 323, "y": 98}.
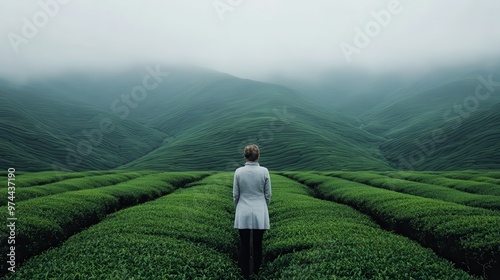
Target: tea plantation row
{"x": 468, "y": 236}
{"x": 316, "y": 239}
{"x": 188, "y": 234}
{"x": 421, "y": 189}
{"x": 72, "y": 184}
{"x": 32, "y": 179}
{"x": 49, "y": 220}
{"x": 486, "y": 188}
{"x": 185, "y": 235}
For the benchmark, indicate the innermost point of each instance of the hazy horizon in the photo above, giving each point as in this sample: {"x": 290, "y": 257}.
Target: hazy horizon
{"x": 249, "y": 39}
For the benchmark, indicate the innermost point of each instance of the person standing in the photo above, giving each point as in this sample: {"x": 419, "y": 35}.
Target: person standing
{"x": 251, "y": 196}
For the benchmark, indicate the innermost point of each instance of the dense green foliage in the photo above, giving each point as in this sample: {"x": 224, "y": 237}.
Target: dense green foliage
{"x": 79, "y": 183}
{"x": 422, "y": 189}
{"x": 468, "y": 236}
{"x": 185, "y": 235}
{"x": 188, "y": 233}
{"x": 315, "y": 239}
{"x": 484, "y": 177}
{"x": 49, "y": 220}
{"x": 32, "y": 179}
{"x": 462, "y": 185}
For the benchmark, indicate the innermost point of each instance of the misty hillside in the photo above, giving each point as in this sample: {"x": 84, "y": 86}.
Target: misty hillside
{"x": 41, "y": 131}
{"x": 416, "y": 108}
{"x": 193, "y": 118}
{"x": 196, "y": 119}
{"x": 463, "y": 143}
{"x": 222, "y": 115}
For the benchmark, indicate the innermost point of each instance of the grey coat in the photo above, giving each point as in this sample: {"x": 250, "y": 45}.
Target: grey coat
{"x": 251, "y": 195}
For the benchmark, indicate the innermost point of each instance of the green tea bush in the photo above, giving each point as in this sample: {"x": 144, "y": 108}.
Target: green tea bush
{"x": 316, "y": 239}
{"x": 468, "y": 236}
{"x": 48, "y": 221}
{"x": 32, "y": 179}
{"x": 489, "y": 173}
{"x": 462, "y": 185}
{"x": 187, "y": 234}
{"x": 478, "y": 176}
{"x": 24, "y": 180}
{"x": 422, "y": 189}
{"x": 88, "y": 182}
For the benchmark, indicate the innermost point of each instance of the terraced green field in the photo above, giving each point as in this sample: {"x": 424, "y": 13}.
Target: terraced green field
{"x": 324, "y": 225}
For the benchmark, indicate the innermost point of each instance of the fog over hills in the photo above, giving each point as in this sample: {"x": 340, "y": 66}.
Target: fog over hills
{"x": 185, "y": 84}
{"x": 191, "y": 118}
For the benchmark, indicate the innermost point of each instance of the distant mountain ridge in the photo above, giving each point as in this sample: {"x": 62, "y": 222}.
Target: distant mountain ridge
{"x": 191, "y": 118}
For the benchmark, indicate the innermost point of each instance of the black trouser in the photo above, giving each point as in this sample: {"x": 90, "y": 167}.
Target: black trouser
{"x": 245, "y": 250}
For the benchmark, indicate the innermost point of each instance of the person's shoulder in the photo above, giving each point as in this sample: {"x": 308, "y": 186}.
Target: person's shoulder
{"x": 239, "y": 169}
{"x": 264, "y": 169}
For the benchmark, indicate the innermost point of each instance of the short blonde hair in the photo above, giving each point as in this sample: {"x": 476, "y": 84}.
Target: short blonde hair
{"x": 251, "y": 152}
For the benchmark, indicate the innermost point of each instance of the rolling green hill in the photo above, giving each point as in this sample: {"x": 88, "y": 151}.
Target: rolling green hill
{"x": 446, "y": 126}
{"x": 210, "y": 123}
{"x": 412, "y": 113}
{"x": 41, "y": 132}
{"x": 463, "y": 143}
{"x": 195, "y": 119}
{"x": 191, "y": 118}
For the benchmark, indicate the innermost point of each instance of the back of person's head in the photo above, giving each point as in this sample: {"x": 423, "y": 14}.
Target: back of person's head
{"x": 251, "y": 152}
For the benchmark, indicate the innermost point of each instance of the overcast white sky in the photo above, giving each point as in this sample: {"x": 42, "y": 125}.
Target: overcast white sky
{"x": 255, "y": 38}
